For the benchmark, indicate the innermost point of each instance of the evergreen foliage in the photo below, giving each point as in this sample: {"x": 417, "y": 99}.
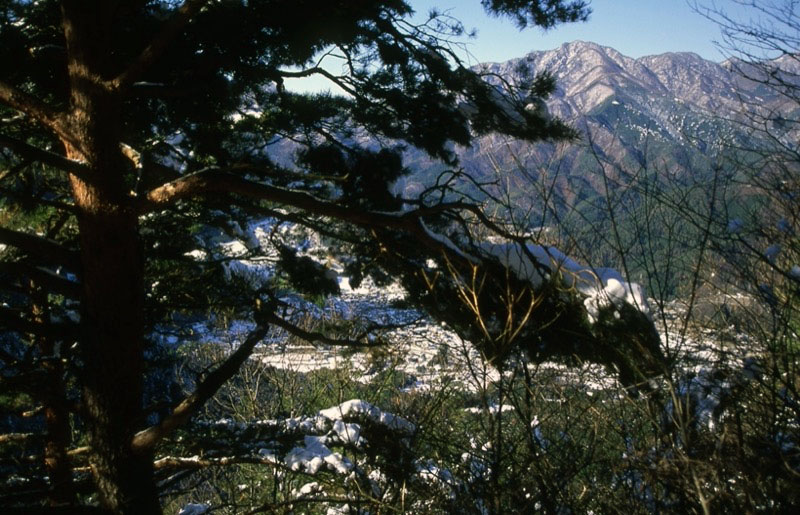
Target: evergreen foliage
{"x": 134, "y": 133}
{"x": 160, "y": 176}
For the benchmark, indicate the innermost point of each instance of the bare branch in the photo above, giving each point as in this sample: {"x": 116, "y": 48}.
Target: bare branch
{"x": 315, "y": 337}
{"x": 317, "y": 70}
{"x": 145, "y": 440}
{"x": 78, "y": 451}
{"x": 195, "y": 462}
{"x": 158, "y": 44}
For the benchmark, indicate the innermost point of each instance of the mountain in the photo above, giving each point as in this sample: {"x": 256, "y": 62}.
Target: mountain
{"x": 589, "y": 74}
{"x": 667, "y": 97}
{"x": 673, "y": 111}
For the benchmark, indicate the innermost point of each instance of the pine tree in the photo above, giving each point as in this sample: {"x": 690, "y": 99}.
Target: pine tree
{"x": 129, "y": 127}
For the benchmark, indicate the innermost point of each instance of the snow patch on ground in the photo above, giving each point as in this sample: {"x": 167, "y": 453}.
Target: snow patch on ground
{"x": 492, "y": 409}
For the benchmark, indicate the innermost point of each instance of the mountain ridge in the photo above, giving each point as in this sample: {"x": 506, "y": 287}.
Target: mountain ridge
{"x": 579, "y": 65}
{"x": 674, "y": 112}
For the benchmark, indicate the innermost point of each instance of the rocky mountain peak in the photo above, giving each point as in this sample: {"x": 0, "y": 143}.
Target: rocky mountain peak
{"x": 675, "y": 109}
{"x": 590, "y": 75}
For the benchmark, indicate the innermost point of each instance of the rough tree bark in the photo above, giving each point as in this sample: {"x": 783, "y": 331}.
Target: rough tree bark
{"x": 111, "y": 267}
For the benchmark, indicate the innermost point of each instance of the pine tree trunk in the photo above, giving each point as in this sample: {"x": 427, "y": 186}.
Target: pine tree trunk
{"x": 112, "y": 297}
{"x": 112, "y": 341}
{"x": 113, "y": 360}
{"x": 112, "y": 346}
{"x": 112, "y": 301}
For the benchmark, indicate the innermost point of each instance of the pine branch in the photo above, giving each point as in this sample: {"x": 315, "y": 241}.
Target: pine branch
{"x": 145, "y": 440}
{"x": 65, "y": 331}
{"x": 22, "y": 197}
{"x": 18, "y": 437}
{"x": 158, "y": 44}
{"x": 50, "y": 280}
{"x": 33, "y": 107}
{"x": 45, "y": 249}
{"x": 318, "y": 70}
{"x": 44, "y": 156}
{"x": 215, "y": 180}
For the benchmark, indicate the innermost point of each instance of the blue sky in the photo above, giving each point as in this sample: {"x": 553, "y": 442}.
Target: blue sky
{"x": 634, "y": 27}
